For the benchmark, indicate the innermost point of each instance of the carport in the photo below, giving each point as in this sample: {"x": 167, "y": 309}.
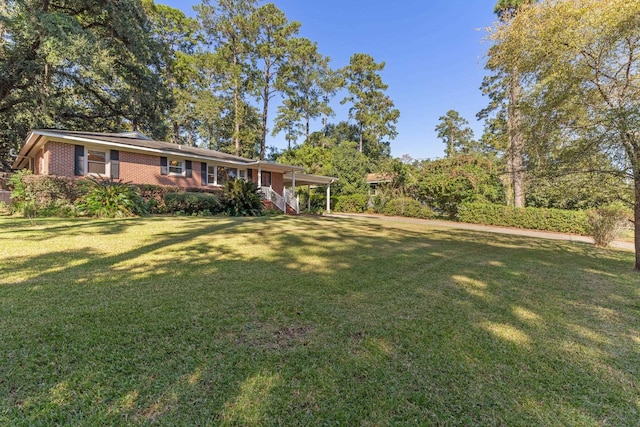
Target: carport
{"x": 293, "y": 179}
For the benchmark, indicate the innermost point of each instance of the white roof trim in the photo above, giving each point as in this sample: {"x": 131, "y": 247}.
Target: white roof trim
{"x": 167, "y": 153}
{"x": 61, "y": 136}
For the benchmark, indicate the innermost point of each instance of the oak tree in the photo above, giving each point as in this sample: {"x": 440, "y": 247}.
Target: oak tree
{"x": 581, "y": 62}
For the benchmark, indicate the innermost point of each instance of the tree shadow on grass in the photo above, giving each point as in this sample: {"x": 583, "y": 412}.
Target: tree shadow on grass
{"x": 15, "y": 230}
{"x": 316, "y": 321}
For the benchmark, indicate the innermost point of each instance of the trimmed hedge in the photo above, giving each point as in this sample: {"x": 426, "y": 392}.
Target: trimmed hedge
{"x": 192, "y": 203}
{"x": 406, "y": 206}
{"x": 318, "y": 202}
{"x": 154, "y": 195}
{"x": 576, "y": 222}
{"x": 353, "y": 203}
{"x": 44, "y": 195}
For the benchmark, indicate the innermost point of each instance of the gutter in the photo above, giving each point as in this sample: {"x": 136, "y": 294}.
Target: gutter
{"x": 169, "y": 153}
{"x": 134, "y": 147}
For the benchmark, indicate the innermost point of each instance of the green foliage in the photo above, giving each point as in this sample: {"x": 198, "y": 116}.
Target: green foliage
{"x": 577, "y": 190}
{"x": 342, "y": 161}
{"x": 227, "y": 121}
{"x": 19, "y": 191}
{"x": 506, "y": 9}
{"x": 191, "y": 203}
{"x": 307, "y": 84}
{"x": 334, "y": 134}
{"x": 406, "y": 206}
{"x": 274, "y": 37}
{"x": 564, "y": 221}
{"x": 319, "y": 202}
{"x": 175, "y": 35}
{"x": 607, "y": 222}
{"x": 379, "y": 201}
{"x": 313, "y": 158}
{"x": 43, "y": 195}
{"x": 454, "y": 131}
{"x": 579, "y": 67}
{"x": 403, "y": 176}
{"x": 446, "y": 183}
{"x": 350, "y": 167}
{"x": 154, "y": 197}
{"x": 241, "y": 198}
{"x": 353, "y": 203}
{"x": 374, "y": 111}
{"x": 109, "y": 198}
{"x": 77, "y": 65}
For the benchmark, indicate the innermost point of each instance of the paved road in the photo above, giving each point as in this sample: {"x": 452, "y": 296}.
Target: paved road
{"x": 488, "y": 228}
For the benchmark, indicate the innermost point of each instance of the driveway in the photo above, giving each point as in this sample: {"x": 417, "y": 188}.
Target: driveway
{"x": 627, "y": 246}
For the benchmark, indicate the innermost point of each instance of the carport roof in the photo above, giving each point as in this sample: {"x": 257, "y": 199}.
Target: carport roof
{"x": 308, "y": 179}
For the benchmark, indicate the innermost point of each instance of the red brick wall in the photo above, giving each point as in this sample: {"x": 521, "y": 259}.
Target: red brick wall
{"x": 59, "y": 159}
{"x": 254, "y": 175}
{"x": 37, "y": 163}
{"x": 277, "y": 182}
{"x": 136, "y": 168}
{"x": 145, "y": 169}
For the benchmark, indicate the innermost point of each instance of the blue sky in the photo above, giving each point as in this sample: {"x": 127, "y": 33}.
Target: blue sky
{"x": 433, "y": 50}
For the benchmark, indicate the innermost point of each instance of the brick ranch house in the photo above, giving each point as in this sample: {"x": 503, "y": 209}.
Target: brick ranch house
{"x": 135, "y": 158}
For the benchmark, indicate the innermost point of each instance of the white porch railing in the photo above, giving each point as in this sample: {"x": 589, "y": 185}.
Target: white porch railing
{"x": 273, "y": 197}
{"x": 279, "y": 201}
{"x": 291, "y": 199}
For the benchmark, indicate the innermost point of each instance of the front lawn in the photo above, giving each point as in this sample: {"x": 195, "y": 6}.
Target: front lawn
{"x": 311, "y": 321}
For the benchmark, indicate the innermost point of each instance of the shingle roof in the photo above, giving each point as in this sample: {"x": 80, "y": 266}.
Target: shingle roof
{"x": 139, "y": 141}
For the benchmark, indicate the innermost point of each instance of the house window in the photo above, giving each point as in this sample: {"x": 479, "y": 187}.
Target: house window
{"x": 226, "y": 174}
{"x": 176, "y": 166}
{"x": 242, "y": 174}
{"x": 96, "y": 162}
{"x": 211, "y": 175}
{"x": 220, "y": 175}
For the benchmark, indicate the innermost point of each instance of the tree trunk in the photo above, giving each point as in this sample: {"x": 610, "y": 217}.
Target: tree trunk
{"x": 514, "y": 124}
{"x": 265, "y": 111}
{"x": 636, "y": 217}
{"x": 361, "y": 126}
{"x": 236, "y": 107}
{"x": 175, "y": 138}
{"x": 236, "y": 121}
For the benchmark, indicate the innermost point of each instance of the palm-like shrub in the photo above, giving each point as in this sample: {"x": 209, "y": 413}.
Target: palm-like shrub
{"x": 241, "y": 198}
{"x": 109, "y": 198}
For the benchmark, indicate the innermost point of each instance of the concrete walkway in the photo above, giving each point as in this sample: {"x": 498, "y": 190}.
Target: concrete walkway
{"x": 627, "y": 246}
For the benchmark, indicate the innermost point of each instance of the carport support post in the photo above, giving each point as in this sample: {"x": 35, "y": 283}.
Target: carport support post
{"x": 259, "y": 176}
{"x": 329, "y": 198}
{"x": 293, "y": 191}
{"x": 309, "y": 198}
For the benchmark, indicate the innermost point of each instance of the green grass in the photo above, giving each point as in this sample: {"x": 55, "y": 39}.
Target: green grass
{"x": 311, "y": 321}
{"x": 627, "y": 235}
